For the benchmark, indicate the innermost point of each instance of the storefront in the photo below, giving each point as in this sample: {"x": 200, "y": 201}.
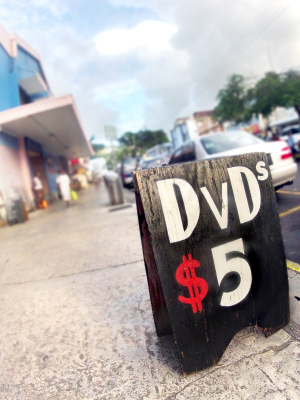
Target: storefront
{"x": 39, "y": 137}
{"x": 39, "y": 133}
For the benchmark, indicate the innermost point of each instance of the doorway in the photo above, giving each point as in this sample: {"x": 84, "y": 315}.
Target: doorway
{"x": 37, "y": 165}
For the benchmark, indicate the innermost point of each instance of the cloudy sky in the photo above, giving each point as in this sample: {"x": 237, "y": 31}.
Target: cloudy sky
{"x": 144, "y": 63}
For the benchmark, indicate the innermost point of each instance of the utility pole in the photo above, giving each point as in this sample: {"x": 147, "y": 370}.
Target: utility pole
{"x": 270, "y": 58}
{"x": 114, "y": 153}
{"x": 111, "y": 135}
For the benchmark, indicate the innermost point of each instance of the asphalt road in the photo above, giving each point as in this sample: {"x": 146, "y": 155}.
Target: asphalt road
{"x": 288, "y": 199}
{"x": 129, "y": 195}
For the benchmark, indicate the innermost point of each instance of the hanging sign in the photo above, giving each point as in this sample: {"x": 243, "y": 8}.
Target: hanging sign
{"x": 213, "y": 253}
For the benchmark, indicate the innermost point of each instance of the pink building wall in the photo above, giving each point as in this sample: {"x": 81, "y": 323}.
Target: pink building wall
{"x": 25, "y": 171}
{"x": 10, "y": 170}
{"x": 15, "y": 173}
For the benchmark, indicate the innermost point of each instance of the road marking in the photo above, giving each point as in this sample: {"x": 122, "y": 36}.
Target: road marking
{"x": 292, "y": 265}
{"x": 283, "y": 214}
{"x": 287, "y": 192}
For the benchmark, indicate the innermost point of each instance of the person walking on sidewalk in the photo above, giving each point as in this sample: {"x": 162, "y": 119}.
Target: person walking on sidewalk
{"x": 63, "y": 186}
{"x": 291, "y": 142}
{"x": 38, "y": 190}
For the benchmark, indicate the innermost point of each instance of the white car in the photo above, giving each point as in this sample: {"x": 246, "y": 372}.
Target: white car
{"x": 295, "y": 131}
{"x": 229, "y": 143}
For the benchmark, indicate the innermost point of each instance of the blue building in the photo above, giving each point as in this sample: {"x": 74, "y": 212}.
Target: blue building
{"x": 38, "y": 132}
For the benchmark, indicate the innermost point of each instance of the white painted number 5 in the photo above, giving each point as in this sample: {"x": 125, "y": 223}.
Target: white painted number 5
{"x": 238, "y": 265}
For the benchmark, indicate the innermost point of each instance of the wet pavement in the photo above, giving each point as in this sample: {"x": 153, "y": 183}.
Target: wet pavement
{"x": 288, "y": 200}
{"x": 76, "y": 319}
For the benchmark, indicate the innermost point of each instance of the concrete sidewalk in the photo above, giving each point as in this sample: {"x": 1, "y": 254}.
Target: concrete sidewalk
{"x": 76, "y": 319}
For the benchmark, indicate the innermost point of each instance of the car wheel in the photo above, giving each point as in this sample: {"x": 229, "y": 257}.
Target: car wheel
{"x": 278, "y": 187}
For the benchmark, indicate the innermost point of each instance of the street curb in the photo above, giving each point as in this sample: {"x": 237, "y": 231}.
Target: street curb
{"x": 293, "y": 266}
{"x": 118, "y": 207}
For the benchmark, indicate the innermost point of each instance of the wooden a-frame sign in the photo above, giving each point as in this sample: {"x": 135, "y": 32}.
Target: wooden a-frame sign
{"x": 213, "y": 253}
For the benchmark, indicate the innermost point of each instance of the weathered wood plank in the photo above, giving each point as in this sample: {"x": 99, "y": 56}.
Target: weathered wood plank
{"x": 214, "y": 230}
{"x": 158, "y": 303}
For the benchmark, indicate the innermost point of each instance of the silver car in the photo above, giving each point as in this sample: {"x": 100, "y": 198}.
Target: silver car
{"x": 220, "y": 144}
{"x": 155, "y": 162}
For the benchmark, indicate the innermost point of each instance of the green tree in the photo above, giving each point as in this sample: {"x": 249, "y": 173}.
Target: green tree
{"x": 275, "y": 90}
{"x": 234, "y": 101}
{"x": 97, "y": 147}
{"x": 291, "y": 90}
{"x": 137, "y": 143}
{"x": 128, "y": 139}
{"x": 120, "y": 153}
{"x": 267, "y": 94}
{"x": 148, "y": 139}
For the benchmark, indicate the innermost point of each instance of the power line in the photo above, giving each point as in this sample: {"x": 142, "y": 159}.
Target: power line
{"x": 274, "y": 11}
{"x": 273, "y": 4}
{"x": 277, "y": 13}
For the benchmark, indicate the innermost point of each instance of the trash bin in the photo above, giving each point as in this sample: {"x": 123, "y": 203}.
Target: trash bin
{"x": 114, "y": 187}
{"x": 15, "y": 210}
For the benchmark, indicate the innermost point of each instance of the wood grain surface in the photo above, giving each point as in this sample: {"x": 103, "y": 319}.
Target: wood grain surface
{"x": 237, "y": 241}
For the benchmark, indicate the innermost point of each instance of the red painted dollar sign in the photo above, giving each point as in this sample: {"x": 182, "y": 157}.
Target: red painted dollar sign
{"x": 186, "y": 276}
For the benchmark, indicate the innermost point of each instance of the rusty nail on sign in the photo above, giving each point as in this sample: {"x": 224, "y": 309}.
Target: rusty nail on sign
{"x": 213, "y": 253}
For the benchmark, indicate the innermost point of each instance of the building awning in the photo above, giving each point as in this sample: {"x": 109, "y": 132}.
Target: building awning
{"x": 285, "y": 121}
{"x": 53, "y": 122}
{"x": 34, "y": 84}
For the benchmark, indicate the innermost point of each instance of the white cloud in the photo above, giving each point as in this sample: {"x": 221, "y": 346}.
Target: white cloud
{"x": 121, "y": 88}
{"x": 155, "y": 71}
{"x": 152, "y": 35}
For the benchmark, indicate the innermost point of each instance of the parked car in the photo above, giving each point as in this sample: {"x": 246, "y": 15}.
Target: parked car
{"x": 295, "y": 131}
{"x": 220, "y": 144}
{"x": 155, "y": 162}
{"x": 128, "y": 165}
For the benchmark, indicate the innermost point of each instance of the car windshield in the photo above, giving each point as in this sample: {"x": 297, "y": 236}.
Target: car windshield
{"x": 129, "y": 164}
{"x": 228, "y": 141}
{"x": 155, "y": 162}
{"x": 147, "y": 164}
